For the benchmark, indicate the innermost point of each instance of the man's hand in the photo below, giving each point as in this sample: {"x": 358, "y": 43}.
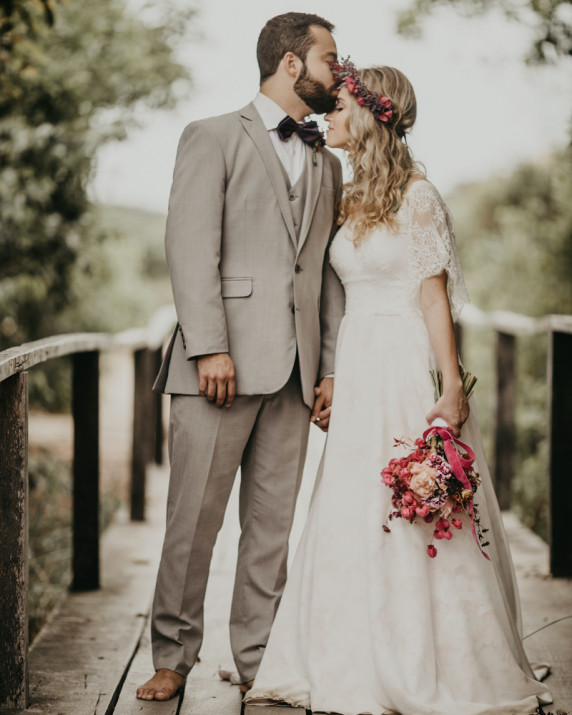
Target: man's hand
{"x": 323, "y": 403}
{"x": 216, "y": 378}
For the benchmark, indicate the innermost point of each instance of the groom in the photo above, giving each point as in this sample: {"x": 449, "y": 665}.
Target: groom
{"x": 251, "y": 216}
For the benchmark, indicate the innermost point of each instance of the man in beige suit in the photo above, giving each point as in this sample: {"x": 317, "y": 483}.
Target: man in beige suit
{"x": 251, "y": 216}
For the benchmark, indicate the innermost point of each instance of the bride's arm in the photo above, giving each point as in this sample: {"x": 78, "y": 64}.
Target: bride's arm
{"x": 453, "y": 405}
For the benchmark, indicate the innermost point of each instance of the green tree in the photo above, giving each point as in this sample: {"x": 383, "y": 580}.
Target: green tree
{"x": 64, "y": 91}
{"x": 515, "y": 240}
{"x": 550, "y": 19}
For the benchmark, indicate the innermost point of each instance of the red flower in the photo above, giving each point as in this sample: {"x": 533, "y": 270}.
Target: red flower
{"x": 361, "y": 101}
{"x": 432, "y": 551}
{"x": 456, "y": 523}
{"x": 407, "y": 512}
{"x": 352, "y": 85}
{"x": 388, "y": 479}
{"x": 409, "y": 498}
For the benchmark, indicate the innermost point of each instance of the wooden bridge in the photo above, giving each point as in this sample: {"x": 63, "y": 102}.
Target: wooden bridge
{"x": 94, "y": 651}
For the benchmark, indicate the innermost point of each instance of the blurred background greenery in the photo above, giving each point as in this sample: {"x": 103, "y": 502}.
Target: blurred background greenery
{"x": 73, "y": 77}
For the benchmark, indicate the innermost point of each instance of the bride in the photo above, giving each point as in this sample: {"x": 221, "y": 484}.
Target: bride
{"x": 368, "y": 623}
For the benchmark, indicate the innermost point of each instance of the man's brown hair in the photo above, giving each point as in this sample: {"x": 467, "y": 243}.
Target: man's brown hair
{"x": 286, "y": 33}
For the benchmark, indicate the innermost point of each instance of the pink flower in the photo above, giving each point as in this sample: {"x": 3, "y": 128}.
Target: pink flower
{"x": 447, "y": 535}
{"x": 423, "y": 477}
{"x": 442, "y": 525}
{"x": 404, "y": 473}
{"x": 361, "y": 101}
{"x": 438, "y": 534}
{"x": 388, "y": 479}
{"x": 456, "y": 523}
{"x": 409, "y": 498}
{"x": 422, "y": 510}
{"x": 407, "y": 512}
{"x": 432, "y": 551}
{"x": 351, "y": 84}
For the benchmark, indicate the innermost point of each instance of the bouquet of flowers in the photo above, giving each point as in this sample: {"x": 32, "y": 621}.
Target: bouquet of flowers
{"x": 436, "y": 480}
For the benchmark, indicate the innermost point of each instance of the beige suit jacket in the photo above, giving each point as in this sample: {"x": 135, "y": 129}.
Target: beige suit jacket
{"x": 242, "y": 282}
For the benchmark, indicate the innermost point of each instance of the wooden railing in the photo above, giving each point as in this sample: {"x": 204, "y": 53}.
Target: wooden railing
{"x": 558, "y": 328}
{"x": 84, "y": 350}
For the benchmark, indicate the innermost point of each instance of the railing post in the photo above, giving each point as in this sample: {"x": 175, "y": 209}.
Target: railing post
{"x": 559, "y": 437}
{"x": 144, "y": 427}
{"x": 85, "y": 408}
{"x": 14, "y": 541}
{"x": 505, "y": 430}
{"x": 158, "y": 400}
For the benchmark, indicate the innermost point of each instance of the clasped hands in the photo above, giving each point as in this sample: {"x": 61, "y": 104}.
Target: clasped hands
{"x": 218, "y": 384}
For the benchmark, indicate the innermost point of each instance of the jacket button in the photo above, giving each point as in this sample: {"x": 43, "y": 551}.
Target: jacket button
{"x": 291, "y": 197}
{"x": 297, "y": 268}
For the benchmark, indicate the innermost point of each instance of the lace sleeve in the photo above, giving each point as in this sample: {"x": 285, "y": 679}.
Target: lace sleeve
{"x": 432, "y": 247}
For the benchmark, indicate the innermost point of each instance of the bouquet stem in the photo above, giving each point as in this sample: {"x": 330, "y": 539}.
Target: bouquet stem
{"x": 469, "y": 382}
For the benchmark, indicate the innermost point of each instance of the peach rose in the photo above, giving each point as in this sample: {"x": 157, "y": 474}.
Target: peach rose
{"x": 423, "y": 477}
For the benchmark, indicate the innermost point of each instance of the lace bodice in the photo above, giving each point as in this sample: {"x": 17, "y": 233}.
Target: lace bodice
{"x": 383, "y": 273}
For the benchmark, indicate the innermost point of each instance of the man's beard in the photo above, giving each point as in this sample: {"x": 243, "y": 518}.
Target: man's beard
{"x": 314, "y": 94}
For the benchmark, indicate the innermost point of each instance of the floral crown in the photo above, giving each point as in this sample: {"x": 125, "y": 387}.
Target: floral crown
{"x": 345, "y": 71}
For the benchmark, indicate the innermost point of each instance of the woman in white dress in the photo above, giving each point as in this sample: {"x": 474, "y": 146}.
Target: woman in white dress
{"x": 368, "y": 623}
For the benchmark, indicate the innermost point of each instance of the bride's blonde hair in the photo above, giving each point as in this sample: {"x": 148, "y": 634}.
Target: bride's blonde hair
{"x": 381, "y": 161}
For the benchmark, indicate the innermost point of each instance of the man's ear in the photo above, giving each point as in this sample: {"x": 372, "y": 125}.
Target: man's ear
{"x": 292, "y": 64}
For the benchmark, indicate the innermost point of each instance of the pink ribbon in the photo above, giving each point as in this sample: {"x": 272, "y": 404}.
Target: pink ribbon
{"x": 458, "y": 465}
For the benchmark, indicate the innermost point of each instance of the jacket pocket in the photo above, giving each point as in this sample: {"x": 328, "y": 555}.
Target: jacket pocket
{"x": 236, "y": 287}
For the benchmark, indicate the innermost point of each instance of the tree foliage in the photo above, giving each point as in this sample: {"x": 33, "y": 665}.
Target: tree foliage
{"x": 551, "y": 20}
{"x": 65, "y": 90}
{"x": 515, "y": 239}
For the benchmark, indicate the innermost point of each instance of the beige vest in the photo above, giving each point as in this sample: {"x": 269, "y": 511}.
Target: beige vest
{"x": 297, "y": 197}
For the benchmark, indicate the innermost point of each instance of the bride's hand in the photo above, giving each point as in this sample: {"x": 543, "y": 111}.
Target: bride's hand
{"x": 453, "y": 407}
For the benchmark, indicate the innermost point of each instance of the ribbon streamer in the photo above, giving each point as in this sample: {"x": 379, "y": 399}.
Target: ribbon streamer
{"x": 458, "y": 465}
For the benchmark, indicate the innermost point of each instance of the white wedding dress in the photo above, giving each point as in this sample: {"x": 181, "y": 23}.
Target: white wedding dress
{"x": 368, "y": 623}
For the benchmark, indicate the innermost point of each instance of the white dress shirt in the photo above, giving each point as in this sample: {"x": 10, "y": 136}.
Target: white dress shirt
{"x": 292, "y": 151}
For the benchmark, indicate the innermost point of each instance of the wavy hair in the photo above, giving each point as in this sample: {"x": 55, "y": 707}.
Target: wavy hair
{"x": 381, "y": 160}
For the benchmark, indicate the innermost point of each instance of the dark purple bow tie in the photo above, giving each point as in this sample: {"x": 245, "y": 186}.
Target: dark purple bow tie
{"x": 307, "y": 131}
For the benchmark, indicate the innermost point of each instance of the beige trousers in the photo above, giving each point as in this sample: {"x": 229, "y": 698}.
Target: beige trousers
{"x": 267, "y": 437}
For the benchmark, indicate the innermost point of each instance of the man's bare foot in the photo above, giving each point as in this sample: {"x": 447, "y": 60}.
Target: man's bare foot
{"x": 164, "y": 685}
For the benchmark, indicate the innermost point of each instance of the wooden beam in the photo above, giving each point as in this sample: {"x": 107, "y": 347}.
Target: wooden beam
{"x": 143, "y": 430}
{"x": 560, "y": 436}
{"x": 85, "y": 408}
{"x": 158, "y": 402}
{"x": 505, "y": 430}
{"x": 14, "y": 541}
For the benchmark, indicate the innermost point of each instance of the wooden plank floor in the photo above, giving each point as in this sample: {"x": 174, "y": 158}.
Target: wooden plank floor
{"x": 95, "y": 651}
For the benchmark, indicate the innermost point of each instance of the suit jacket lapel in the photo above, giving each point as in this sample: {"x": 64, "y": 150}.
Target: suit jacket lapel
{"x": 252, "y": 123}
{"x": 314, "y": 183}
